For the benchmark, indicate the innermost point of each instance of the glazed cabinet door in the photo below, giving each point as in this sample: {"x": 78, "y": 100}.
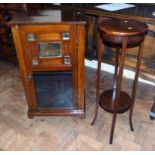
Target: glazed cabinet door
{"x": 51, "y": 59}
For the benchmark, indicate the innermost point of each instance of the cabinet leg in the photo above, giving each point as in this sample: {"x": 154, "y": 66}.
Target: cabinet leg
{"x": 130, "y": 119}
{"x": 82, "y": 116}
{"x": 30, "y": 116}
{"x": 112, "y": 128}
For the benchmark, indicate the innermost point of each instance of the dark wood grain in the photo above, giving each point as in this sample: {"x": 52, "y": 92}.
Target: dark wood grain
{"x": 124, "y": 27}
{"x": 109, "y": 106}
{"x": 49, "y": 16}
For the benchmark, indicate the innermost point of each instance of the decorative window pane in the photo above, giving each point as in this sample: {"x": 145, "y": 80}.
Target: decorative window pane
{"x": 50, "y": 49}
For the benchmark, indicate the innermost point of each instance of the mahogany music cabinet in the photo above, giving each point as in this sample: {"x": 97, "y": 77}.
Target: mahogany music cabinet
{"x": 50, "y": 51}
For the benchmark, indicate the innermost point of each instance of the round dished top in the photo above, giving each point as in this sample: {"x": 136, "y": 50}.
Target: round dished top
{"x": 121, "y": 27}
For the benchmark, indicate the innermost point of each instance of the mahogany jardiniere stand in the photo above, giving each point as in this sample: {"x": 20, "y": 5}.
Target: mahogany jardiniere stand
{"x": 120, "y": 34}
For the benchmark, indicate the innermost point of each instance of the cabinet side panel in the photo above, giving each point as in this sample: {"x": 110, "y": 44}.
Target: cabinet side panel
{"x": 74, "y": 63}
{"x": 81, "y": 50}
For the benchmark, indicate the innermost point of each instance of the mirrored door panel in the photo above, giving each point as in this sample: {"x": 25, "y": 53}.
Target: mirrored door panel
{"x": 54, "y": 90}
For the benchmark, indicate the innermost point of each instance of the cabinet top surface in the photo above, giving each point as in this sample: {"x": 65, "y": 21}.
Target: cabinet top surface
{"x": 50, "y": 17}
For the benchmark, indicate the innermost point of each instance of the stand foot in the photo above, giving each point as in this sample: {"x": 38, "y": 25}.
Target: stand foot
{"x": 112, "y": 128}
{"x": 130, "y": 120}
{"x": 152, "y": 112}
{"x": 30, "y": 116}
{"x": 95, "y": 116}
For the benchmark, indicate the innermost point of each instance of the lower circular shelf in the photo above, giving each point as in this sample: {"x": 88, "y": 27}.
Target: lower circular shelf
{"x": 105, "y": 102}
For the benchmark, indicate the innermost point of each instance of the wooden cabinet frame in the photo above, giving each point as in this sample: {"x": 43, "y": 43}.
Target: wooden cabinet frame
{"x": 76, "y": 46}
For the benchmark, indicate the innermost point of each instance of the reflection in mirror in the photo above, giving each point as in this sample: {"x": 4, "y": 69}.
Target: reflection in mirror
{"x": 54, "y": 90}
{"x": 50, "y": 49}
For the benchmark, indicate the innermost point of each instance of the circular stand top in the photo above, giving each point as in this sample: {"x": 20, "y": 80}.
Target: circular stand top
{"x": 119, "y": 27}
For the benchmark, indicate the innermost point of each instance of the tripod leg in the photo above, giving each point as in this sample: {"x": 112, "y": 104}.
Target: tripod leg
{"x": 100, "y": 51}
{"x": 112, "y": 128}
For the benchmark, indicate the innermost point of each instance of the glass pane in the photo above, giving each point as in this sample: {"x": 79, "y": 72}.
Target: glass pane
{"x": 65, "y": 36}
{"x": 50, "y": 49}
{"x": 31, "y": 37}
{"x": 54, "y": 90}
